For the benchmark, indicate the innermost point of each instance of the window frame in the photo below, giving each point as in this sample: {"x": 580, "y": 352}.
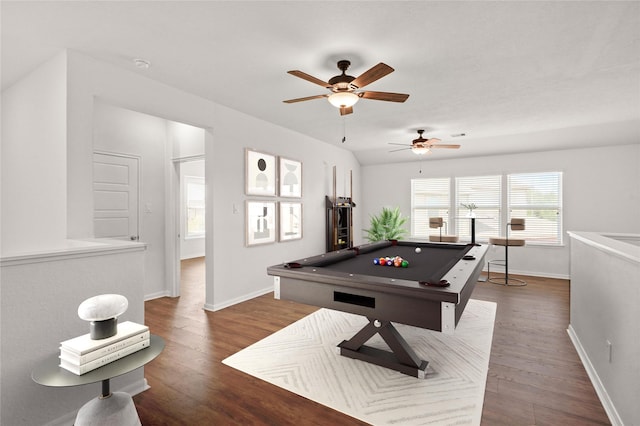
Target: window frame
{"x": 193, "y": 180}
{"x": 441, "y": 210}
{"x": 531, "y": 219}
{"x": 497, "y": 216}
{"x": 489, "y": 213}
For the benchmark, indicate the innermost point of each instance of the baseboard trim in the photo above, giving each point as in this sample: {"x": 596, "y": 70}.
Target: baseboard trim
{"x": 500, "y": 269}
{"x": 601, "y": 391}
{"x": 156, "y": 295}
{"x": 244, "y": 298}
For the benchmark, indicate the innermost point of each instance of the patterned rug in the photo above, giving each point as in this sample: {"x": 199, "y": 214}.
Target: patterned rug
{"x": 303, "y": 358}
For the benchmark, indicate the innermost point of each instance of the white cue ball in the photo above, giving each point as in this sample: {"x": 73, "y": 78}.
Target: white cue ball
{"x": 418, "y": 249}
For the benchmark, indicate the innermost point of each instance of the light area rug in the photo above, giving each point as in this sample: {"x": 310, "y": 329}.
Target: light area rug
{"x": 303, "y": 358}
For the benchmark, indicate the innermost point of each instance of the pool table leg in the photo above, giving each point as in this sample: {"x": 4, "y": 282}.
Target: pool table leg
{"x": 402, "y": 358}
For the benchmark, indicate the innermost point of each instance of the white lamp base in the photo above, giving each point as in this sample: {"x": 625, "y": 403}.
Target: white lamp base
{"x": 117, "y": 409}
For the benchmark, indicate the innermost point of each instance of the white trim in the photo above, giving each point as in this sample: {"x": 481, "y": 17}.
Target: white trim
{"x": 500, "y": 268}
{"x": 157, "y": 295}
{"x": 71, "y": 249}
{"x": 611, "y": 243}
{"x": 448, "y": 317}
{"x": 188, "y": 158}
{"x": 276, "y": 287}
{"x": 253, "y": 295}
{"x": 602, "y": 393}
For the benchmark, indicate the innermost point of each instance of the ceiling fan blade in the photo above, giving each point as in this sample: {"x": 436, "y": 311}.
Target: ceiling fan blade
{"x": 400, "y": 144}
{"x": 308, "y": 98}
{"x": 432, "y": 141}
{"x": 346, "y": 110}
{"x": 384, "y": 96}
{"x": 309, "y": 78}
{"x": 451, "y": 146}
{"x": 401, "y": 149}
{"x": 371, "y": 75}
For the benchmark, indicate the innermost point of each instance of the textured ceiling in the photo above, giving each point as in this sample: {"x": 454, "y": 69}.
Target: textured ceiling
{"x": 510, "y": 75}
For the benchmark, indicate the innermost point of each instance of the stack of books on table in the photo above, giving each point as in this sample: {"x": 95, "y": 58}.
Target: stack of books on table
{"x": 83, "y": 354}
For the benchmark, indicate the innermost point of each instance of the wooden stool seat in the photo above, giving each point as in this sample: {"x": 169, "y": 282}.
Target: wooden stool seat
{"x": 443, "y": 238}
{"x": 502, "y": 241}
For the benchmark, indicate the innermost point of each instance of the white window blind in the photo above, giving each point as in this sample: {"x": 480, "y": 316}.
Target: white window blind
{"x": 195, "y": 220}
{"x": 486, "y": 193}
{"x": 537, "y": 197}
{"x": 429, "y": 198}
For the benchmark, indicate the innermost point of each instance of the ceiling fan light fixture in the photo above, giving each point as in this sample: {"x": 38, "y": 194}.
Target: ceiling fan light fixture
{"x": 420, "y": 150}
{"x": 343, "y": 99}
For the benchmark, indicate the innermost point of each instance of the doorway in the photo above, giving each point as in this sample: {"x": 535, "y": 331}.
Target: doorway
{"x": 115, "y": 196}
{"x": 189, "y": 196}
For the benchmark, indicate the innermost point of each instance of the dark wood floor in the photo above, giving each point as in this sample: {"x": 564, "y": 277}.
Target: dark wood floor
{"x": 535, "y": 376}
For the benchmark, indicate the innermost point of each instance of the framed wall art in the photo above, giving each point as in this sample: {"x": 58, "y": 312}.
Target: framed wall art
{"x": 290, "y": 221}
{"x": 290, "y": 178}
{"x": 260, "y": 176}
{"x": 260, "y": 222}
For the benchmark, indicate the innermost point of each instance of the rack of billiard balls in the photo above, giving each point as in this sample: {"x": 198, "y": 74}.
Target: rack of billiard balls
{"x": 396, "y": 261}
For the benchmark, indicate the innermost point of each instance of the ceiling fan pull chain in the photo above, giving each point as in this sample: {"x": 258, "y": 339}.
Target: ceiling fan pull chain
{"x": 344, "y": 129}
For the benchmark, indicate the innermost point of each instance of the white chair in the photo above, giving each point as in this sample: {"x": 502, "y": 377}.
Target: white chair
{"x": 515, "y": 225}
{"x": 438, "y": 222}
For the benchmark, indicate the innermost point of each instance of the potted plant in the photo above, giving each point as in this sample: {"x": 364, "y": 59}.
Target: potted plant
{"x": 471, "y": 207}
{"x": 388, "y": 225}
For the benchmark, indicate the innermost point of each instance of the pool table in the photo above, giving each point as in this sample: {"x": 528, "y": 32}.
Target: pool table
{"x": 431, "y": 292}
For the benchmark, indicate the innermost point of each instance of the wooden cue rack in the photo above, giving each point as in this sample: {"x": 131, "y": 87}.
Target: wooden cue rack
{"x": 340, "y": 217}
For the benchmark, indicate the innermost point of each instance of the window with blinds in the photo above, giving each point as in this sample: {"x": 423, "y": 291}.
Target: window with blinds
{"x": 485, "y": 192}
{"x": 429, "y": 198}
{"x": 537, "y": 197}
{"x": 195, "y": 208}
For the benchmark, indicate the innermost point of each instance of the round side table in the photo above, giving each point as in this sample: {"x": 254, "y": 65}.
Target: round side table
{"x": 108, "y": 408}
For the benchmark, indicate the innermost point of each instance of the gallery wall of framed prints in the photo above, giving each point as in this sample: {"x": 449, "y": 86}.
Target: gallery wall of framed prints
{"x": 261, "y": 222}
{"x": 290, "y": 178}
{"x": 290, "y": 215}
{"x": 260, "y": 173}
{"x": 268, "y": 219}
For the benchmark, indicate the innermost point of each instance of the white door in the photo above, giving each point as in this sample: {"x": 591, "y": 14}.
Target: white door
{"x": 115, "y": 196}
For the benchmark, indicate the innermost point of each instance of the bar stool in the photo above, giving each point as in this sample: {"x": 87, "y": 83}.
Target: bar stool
{"x": 438, "y": 222}
{"x": 516, "y": 225}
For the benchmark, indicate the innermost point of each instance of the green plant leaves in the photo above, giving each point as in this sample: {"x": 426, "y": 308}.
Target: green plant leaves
{"x": 388, "y": 225}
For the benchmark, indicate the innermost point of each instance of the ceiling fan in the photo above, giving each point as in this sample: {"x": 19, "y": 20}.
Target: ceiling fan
{"x": 422, "y": 146}
{"x": 345, "y": 88}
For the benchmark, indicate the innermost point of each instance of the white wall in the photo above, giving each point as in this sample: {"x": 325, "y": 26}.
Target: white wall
{"x": 34, "y": 165}
{"x": 186, "y": 141}
{"x": 121, "y": 131}
{"x": 239, "y": 270}
{"x": 39, "y": 305}
{"x": 601, "y": 193}
{"x": 229, "y": 280}
{"x": 604, "y": 319}
{"x": 43, "y": 141}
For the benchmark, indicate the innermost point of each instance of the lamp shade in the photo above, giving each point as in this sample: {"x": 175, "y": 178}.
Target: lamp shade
{"x": 102, "y": 307}
{"x": 343, "y": 99}
{"x": 420, "y": 150}
{"x": 103, "y": 312}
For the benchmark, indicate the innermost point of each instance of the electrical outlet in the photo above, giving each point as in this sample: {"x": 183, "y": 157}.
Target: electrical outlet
{"x": 609, "y": 349}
